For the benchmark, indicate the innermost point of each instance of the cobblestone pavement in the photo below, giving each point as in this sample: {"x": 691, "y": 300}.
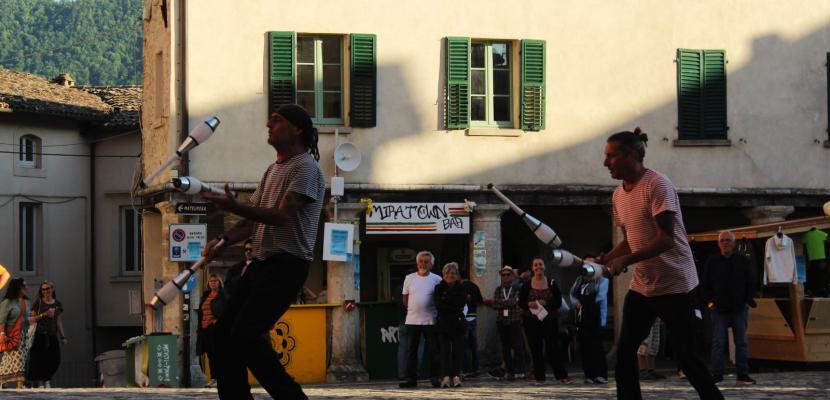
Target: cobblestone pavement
{"x": 784, "y": 385}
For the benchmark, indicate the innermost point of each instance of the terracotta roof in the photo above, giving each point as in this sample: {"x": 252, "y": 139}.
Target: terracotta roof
{"x": 124, "y": 100}
{"x": 24, "y": 92}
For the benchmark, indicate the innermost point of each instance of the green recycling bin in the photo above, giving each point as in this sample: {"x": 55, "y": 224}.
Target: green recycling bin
{"x": 153, "y": 360}
{"x": 380, "y": 338}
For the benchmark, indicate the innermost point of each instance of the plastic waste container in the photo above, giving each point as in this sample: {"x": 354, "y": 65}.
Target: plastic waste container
{"x": 153, "y": 360}
{"x": 112, "y": 368}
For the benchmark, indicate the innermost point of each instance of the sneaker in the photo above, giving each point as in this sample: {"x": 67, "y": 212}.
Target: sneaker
{"x": 656, "y": 376}
{"x": 601, "y": 380}
{"x": 588, "y": 381}
{"x": 717, "y": 378}
{"x": 445, "y": 382}
{"x": 408, "y": 384}
{"x": 497, "y": 373}
{"x": 681, "y": 375}
{"x": 456, "y": 381}
{"x": 745, "y": 380}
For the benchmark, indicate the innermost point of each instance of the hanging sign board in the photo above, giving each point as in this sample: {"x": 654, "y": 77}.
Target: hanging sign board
{"x": 417, "y": 218}
{"x": 187, "y": 241}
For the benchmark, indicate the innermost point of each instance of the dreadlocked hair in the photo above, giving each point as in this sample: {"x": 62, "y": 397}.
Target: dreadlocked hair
{"x": 310, "y": 139}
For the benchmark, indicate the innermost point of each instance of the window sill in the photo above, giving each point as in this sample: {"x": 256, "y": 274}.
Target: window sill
{"x": 329, "y": 129}
{"x": 509, "y": 132}
{"x": 29, "y": 172}
{"x": 125, "y": 279}
{"x": 702, "y": 143}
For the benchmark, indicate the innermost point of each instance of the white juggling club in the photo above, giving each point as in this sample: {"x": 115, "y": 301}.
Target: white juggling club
{"x": 542, "y": 231}
{"x": 168, "y": 292}
{"x": 590, "y": 271}
{"x": 190, "y": 185}
{"x": 197, "y": 136}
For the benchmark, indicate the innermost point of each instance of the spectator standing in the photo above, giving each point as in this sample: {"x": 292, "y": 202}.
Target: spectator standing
{"x": 590, "y": 300}
{"x": 210, "y": 310}
{"x": 14, "y": 324}
{"x": 728, "y": 291}
{"x": 418, "y": 290}
{"x": 541, "y": 299}
{"x": 509, "y": 325}
{"x": 473, "y": 299}
{"x": 45, "y": 354}
{"x": 450, "y": 299}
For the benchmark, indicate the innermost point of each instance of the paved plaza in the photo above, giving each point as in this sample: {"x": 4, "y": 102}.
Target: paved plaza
{"x": 782, "y": 386}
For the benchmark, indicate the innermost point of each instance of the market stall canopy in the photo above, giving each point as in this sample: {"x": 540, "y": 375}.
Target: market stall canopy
{"x": 766, "y": 229}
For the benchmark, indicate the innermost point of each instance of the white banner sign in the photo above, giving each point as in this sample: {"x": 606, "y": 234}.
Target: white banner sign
{"x": 418, "y": 219}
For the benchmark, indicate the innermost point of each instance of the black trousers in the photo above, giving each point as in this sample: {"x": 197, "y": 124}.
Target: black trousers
{"x": 452, "y": 353}
{"x": 512, "y": 339}
{"x": 639, "y": 313}
{"x": 265, "y": 292}
{"x": 544, "y": 334}
{"x": 590, "y": 343}
{"x": 430, "y": 353}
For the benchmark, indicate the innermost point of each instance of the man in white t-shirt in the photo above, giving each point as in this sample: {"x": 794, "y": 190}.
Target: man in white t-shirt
{"x": 418, "y": 288}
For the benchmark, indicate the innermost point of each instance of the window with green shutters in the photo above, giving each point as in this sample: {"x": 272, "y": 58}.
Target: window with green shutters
{"x": 480, "y": 84}
{"x": 308, "y": 69}
{"x": 701, "y": 94}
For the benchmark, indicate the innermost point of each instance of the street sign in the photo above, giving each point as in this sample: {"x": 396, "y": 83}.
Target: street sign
{"x": 192, "y": 208}
{"x": 187, "y": 241}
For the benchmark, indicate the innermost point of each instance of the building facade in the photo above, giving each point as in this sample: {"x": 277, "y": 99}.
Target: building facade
{"x": 442, "y": 99}
{"x": 68, "y": 156}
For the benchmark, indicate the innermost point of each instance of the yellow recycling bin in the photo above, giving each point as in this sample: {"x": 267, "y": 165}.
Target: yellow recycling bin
{"x": 300, "y": 340}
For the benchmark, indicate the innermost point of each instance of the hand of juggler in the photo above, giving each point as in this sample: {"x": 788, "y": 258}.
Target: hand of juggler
{"x": 212, "y": 248}
{"x": 225, "y": 202}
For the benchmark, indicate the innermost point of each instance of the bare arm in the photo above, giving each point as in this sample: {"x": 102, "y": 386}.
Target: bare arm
{"x": 60, "y": 328}
{"x": 4, "y": 277}
{"x": 662, "y": 242}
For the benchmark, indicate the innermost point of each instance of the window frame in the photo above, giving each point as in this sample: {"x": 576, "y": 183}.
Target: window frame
{"x": 122, "y": 241}
{"x": 489, "y": 96}
{"x": 319, "y": 65}
{"x": 706, "y": 98}
{"x": 36, "y": 145}
{"x": 29, "y": 230}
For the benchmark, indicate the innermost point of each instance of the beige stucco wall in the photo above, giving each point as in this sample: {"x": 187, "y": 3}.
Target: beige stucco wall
{"x": 610, "y": 66}
{"x": 63, "y": 256}
{"x": 112, "y": 185}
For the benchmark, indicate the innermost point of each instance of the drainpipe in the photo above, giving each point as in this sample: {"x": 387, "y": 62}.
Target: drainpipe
{"x": 92, "y": 253}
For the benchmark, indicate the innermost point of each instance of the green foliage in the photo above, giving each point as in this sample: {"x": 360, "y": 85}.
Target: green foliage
{"x": 98, "y": 42}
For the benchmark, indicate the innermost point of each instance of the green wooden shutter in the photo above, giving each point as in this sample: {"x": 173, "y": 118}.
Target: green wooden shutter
{"x": 363, "y": 82}
{"x": 701, "y": 94}
{"x": 457, "y": 101}
{"x": 714, "y": 94}
{"x": 533, "y": 85}
{"x": 281, "y": 57}
{"x": 689, "y": 93}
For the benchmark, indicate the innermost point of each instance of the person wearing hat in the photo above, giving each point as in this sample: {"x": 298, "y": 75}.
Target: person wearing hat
{"x": 509, "y": 325}
{"x": 281, "y": 219}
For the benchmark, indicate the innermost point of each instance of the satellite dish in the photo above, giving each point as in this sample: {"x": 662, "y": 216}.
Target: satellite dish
{"x": 347, "y": 156}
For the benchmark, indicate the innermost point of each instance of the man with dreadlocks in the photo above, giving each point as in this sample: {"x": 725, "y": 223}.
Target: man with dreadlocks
{"x": 282, "y": 220}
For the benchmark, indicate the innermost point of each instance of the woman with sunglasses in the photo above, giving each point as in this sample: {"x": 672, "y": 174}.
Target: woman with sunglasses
{"x": 45, "y": 355}
{"x": 13, "y": 327}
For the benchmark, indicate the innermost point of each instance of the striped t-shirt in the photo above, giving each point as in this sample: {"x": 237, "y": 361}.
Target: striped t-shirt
{"x": 301, "y": 175}
{"x": 672, "y": 271}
